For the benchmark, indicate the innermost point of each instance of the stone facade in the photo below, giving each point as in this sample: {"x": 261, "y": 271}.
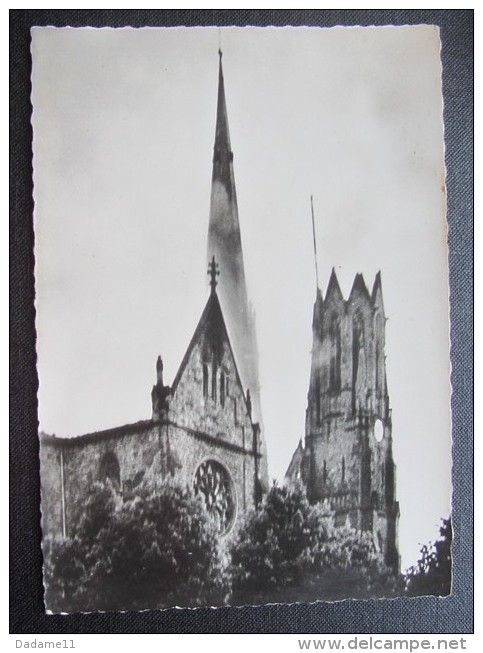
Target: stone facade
{"x": 347, "y": 458}
{"x": 201, "y": 434}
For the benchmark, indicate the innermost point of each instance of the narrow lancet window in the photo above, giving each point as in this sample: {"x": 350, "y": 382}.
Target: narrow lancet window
{"x": 378, "y": 333}
{"x": 317, "y": 399}
{"x": 213, "y": 382}
{"x": 205, "y": 380}
{"x": 358, "y": 371}
{"x": 222, "y": 389}
{"x": 335, "y": 355}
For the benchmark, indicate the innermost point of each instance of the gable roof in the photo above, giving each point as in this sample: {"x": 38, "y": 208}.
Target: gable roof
{"x": 211, "y": 312}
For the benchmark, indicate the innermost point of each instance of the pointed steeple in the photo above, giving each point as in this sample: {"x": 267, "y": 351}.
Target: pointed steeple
{"x": 224, "y": 243}
{"x": 224, "y": 239}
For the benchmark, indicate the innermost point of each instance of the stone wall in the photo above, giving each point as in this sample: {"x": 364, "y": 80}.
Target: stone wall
{"x": 136, "y": 448}
{"x": 192, "y": 449}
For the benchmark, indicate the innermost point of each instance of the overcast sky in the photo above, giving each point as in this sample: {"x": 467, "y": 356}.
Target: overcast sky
{"x": 124, "y": 124}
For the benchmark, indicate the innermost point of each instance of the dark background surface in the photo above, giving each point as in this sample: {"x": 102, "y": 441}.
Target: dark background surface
{"x": 453, "y": 614}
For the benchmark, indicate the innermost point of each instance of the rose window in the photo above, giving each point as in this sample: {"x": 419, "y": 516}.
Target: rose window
{"x": 214, "y": 485}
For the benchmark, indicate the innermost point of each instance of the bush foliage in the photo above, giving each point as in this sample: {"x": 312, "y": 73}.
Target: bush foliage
{"x": 155, "y": 549}
{"x": 290, "y": 550}
{"x": 431, "y": 575}
{"x": 159, "y": 548}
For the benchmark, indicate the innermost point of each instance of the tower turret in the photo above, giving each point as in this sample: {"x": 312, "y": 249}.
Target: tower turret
{"x": 160, "y": 393}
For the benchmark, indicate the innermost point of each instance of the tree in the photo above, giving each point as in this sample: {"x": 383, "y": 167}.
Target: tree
{"x": 153, "y": 549}
{"x": 432, "y": 573}
{"x": 64, "y": 572}
{"x": 291, "y": 550}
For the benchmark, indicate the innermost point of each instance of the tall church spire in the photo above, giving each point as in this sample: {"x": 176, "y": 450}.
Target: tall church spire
{"x": 224, "y": 240}
{"x": 224, "y": 243}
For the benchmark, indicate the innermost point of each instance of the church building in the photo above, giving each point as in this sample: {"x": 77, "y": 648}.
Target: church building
{"x": 204, "y": 430}
{"x": 346, "y": 458}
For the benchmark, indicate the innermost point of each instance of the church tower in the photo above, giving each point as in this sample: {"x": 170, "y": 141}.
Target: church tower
{"x": 347, "y": 458}
{"x": 224, "y": 242}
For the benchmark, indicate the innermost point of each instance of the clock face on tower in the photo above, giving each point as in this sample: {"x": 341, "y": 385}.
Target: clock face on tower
{"x": 378, "y": 430}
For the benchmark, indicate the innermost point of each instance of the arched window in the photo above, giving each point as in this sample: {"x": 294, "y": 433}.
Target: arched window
{"x": 213, "y": 382}
{"x": 205, "y": 380}
{"x": 109, "y": 469}
{"x": 378, "y": 337}
{"x": 213, "y": 484}
{"x": 222, "y": 388}
{"x": 317, "y": 398}
{"x": 343, "y": 469}
{"x": 389, "y": 482}
{"x": 325, "y": 472}
{"x": 335, "y": 355}
{"x": 358, "y": 373}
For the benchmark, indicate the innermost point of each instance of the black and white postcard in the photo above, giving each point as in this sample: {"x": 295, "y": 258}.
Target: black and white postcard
{"x": 242, "y": 315}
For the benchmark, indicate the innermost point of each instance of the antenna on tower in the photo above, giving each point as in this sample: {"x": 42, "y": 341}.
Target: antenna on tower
{"x": 315, "y": 242}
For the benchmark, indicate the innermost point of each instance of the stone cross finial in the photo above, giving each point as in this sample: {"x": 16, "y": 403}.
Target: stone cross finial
{"x": 214, "y": 271}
